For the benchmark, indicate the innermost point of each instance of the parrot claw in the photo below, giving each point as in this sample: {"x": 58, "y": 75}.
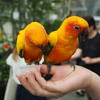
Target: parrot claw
{"x": 47, "y": 76}
{"x": 32, "y": 62}
{"x": 49, "y": 67}
{"x": 29, "y": 63}
{"x": 72, "y": 65}
{"x": 36, "y": 63}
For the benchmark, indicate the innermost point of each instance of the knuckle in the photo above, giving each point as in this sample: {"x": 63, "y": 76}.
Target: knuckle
{"x": 44, "y": 87}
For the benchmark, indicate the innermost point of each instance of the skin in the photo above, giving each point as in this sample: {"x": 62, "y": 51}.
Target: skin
{"x": 68, "y": 80}
{"x": 78, "y": 53}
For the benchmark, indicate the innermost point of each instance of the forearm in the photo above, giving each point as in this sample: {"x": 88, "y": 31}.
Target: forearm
{"x": 77, "y": 54}
{"x": 94, "y": 87}
{"x": 96, "y": 60}
{"x": 89, "y": 60}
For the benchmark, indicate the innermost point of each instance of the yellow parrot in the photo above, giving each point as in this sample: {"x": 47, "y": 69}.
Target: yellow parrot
{"x": 63, "y": 42}
{"x": 31, "y": 42}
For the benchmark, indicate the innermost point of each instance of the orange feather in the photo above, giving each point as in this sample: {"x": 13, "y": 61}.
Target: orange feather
{"x": 66, "y": 40}
{"x": 30, "y": 40}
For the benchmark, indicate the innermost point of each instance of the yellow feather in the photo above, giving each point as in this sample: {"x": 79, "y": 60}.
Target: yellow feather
{"x": 65, "y": 39}
{"x": 30, "y": 40}
{"x": 20, "y": 41}
{"x": 52, "y": 38}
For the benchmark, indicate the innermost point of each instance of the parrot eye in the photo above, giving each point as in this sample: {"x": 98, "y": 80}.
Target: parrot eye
{"x": 76, "y": 28}
{"x": 31, "y": 42}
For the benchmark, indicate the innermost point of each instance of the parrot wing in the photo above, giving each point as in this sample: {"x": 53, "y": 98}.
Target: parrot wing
{"x": 20, "y": 44}
{"x": 52, "y": 39}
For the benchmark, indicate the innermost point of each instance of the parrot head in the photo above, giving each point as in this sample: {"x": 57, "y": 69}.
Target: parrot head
{"x": 35, "y": 34}
{"x": 74, "y": 25}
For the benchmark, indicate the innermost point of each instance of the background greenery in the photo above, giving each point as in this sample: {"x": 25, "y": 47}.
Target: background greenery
{"x": 28, "y": 11}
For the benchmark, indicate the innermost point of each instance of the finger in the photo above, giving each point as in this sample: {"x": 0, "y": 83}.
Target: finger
{"x": 83, "y": 59}
{"x": 46, "y": 85}
{"x": 32, "y": 81}
{"x": 24, "y": 82}
{"x": 50, "y": 87}
{"x": 38, "y": 90}
{"x": 57, "y": 75}
{"x": 73, "y": 81}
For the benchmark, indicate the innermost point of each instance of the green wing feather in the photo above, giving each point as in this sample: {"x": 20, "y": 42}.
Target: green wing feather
{"x": 21, "y": 53}
{"x": 52, "y": 40}
{"x": 49, "y": 49}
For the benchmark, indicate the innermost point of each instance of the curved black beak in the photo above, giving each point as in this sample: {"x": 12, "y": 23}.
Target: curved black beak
{"x": 42, "y": 48}
{"x": 84, "y": 34}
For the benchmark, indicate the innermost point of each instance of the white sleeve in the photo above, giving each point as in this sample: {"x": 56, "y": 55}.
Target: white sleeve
{"x": 15, "y": 65}
{"x": 9, "y": 60}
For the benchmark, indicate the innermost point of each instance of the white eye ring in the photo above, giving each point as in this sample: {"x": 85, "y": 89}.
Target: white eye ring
{"x": 76, "y": 28}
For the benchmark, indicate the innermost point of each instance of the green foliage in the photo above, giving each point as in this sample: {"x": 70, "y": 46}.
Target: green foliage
{"x": 4, "y": 75}
{"x": 4, "y": 72}
{"x": 52, "y": 26}
{"x": 98, "y": 12}
{"x": 4, "y": 68}
{"x": 27, "y": 11}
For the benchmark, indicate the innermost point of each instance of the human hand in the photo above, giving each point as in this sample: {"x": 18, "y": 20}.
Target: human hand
{"x": 58, "y": 72}
{"x": 87, "y": 60}
{"x": 64, "y": 80}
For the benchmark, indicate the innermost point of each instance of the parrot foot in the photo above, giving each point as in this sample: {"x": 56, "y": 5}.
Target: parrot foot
{"x": 47, "y": 76}
{"x": 36, "y": 63}
{"x": 29, "y": 63}
{"x": 49, "y": 67}
{"x": 72, "y": 65}
{"x": 32, "y": 62}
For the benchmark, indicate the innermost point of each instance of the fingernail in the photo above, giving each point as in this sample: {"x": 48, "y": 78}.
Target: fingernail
{"x": 18, "y": 75}
{"x": 27, "y": 74}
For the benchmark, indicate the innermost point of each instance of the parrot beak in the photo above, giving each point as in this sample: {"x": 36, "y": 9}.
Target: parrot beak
{"x": 84, "y": 34}
{"x": 42, "y": 48}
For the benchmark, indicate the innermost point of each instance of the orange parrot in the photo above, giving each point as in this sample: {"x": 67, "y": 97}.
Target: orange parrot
{"x": 63, "y": 42}
{"x": 31, "y": 42}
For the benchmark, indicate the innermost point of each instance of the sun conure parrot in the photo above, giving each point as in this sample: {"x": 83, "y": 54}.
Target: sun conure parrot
{"x": 31, "y": 42}
{"x": 63, "y": 42}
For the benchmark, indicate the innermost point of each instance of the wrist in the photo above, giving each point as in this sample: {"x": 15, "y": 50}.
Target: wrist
{"x": 92, "y": 89}
{"x": 92, "y": 60}
{"x": 89, "y": 86}
{"x": 95, "y": 60}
